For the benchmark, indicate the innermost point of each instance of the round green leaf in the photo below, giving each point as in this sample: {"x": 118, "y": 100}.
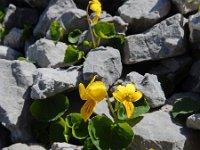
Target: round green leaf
{"x": 73, "y": 118}
{"x": 107, "y": 135}
{"x": 88, "y": 145}
{"x": 49, "y": 109}
{"x": 56, "y": 31}
{"x": 74, "y": 36}
{"x": 58, "y": 131}
{"x": 80, "y": 130}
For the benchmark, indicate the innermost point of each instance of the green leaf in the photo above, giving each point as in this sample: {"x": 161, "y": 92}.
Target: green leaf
{"x": 3, "y": 32}
{"x": 141, "y": 107}
{"x": 87, "y": 43}
{"x": 74, "y": 36}
{"x": 88, "y": 145}
{"x": 2, "y": 14}
{"x": 24, "y": 59}
{"x": 108, "y": 135}
{"x": 190, "y": 1}
{"x": 79, "y": 127}
{"x": 104, "y": 30}
{"x": 58, "y": 131}
{"x": 56, "y": 31}
{"x": 72, "y": 55}
{"x": 49, "y": 109}
{"x": 185, "y": 106}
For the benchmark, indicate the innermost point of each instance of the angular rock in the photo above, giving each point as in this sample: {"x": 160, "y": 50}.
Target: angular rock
{"x": 65, "y": 146}
{"x": 185, "y": 7}
{"x": 14, "y": 39}
{"x": 150, "y": 86}
{"x": 192, "y": 83}
{"x": 194, "y": 27}
{"x": 16, "y": 79}
{"x": 8, "y": 53}
{"x": 45, "y": 53}
{"x": 193, "y": 121}
{"x": 104, "y": 62}
{"x": 163, "y": 40}
{"x": 21, "y": 146}
{"x": 158, "y": 131}
{"x": 119, "y": 23}
{"x": 142, "y": 14}
{"x": 18, "y": 17}
{"x": 54, "y": 10}
{"x": 48, "y": 81}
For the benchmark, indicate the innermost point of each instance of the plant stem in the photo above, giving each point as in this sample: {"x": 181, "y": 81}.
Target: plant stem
{"x": 90, "y": 28}
{"x": 111, "y": 108}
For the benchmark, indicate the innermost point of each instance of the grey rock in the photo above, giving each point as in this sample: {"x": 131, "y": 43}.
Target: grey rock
{"x": 48, "y": 81}
{"x": 185, "y": 7}
{"x": 8, "y": 53}
{"x": 119, "y": 23}
{"x": 65, "y": 146}
{"x": 162, "y": 133}
{"x": 53, "y": 11}
{"x": 37, "y": 3}
{"x": 104, "y": 62}
{"x": 194, "y": 27}
{"x": 45, "y": 53}
{"x": 142, "y": 14}
{"x": 150, "y": 86}
{"x": 16, "y": 79}
{"x": 18, "y": 17}
{"x": 193, "y": 121}
{"x": 192, "y": 83}
{"x": 14, "y": 39}
{"x": 4, "y": 137}
{"x": 163, "y": 40}
{"x": 21, "y": 146}
{"x": 176, "y": 96}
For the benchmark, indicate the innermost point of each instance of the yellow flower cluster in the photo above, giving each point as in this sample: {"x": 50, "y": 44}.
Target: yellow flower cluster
{"x": 95, "y": 6}
{"x": 96, "y": 91}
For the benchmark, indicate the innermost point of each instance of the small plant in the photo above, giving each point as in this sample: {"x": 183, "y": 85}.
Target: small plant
{"x": 98, "y": 132}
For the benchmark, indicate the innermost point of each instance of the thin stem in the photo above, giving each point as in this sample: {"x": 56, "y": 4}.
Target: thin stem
{"x": 111, "y": 108}
{"x": 90, "y": 28}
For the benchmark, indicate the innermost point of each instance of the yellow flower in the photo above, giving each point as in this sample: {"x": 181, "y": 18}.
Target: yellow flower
{"x": 95, "y": 6}
{"x": 93, "y": 93}
{"x": 127, "y": 95}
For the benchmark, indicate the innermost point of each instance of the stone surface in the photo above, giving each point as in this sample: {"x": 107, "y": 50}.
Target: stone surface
{"x": 4, "y": 137}
{"x": 194, "y": 27}
{"x": 119, "y": 23}
{"x": 21, "y": 146}
{"x": 192, "y": 83}
{"x": 158, "y": 131}
{"x": 54, "y": 10}
{"x": 185, "y": 7}
{"x": 142, "y": 14}
{"x": 193, "y": 121}
{"x": 18, "y": 17}
{"x": 14, "y": 39}
{"x": 8, "y": 53}
{"x": 37, "y": 3}
{"x": 150, "y": 86}
{"x": 104, "y": 62}
{"x": 45, "y": 53}
{"x": 65, "y": 146}
{"x": 163, "y": 40}
{"x": 48, "y": 81}
{"x": 16, "y": 78}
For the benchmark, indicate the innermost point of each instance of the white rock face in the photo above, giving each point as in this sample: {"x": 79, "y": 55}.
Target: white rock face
{"x": 48, "y": 81}
{"x": 53, "y": 11}
{"x": 21, "y": 146}
{"x": 157, "y": 131}
{"x": 165, "y": 39}
{"x": 16, "y": 79}
{"x": 193, "y": 121}
{"x": 8, "y": 53}
{"x": 194, "y": 26}
{"x": 65, "y": 146}
{"x": 142, "y": 14}
{"x": 45, "y": 53}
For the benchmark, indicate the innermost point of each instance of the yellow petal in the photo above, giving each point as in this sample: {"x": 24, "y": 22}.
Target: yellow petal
{"x": 130, "y": 88}
{"x": 118, "y": 96}
{"x": 122, "y": 89}
{"x": 87, "y": 109}
{"x": 93, "y": 79}
{"x": 82, "y": 92}
{"x": 129, "y": 108}
{"x": 95, "y": 19}
{"x": 97, "y": 91}
{"x": 137, "y": 96}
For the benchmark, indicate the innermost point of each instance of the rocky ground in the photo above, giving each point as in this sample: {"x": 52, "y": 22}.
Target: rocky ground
{"x": 161, "y": 55}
